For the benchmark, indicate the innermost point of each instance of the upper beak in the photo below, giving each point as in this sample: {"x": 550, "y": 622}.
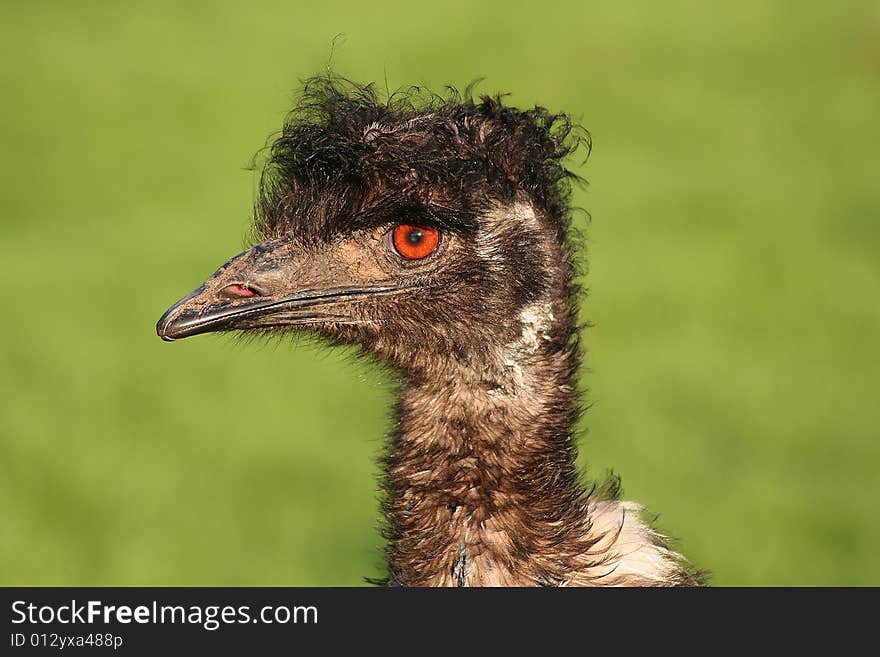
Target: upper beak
{"x": 265, "y": 287}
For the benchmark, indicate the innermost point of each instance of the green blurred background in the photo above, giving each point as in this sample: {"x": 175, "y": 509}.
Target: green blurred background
{"x": 734, "y": 281}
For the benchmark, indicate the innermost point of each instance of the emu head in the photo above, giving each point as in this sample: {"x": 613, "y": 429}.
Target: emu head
{"x": 418, "y": 227}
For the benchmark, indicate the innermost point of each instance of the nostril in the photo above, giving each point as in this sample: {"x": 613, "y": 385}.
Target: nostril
{"x": 238, "y": 291}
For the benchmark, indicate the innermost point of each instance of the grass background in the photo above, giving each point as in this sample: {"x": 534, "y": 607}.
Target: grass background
{"x": 734, "y": 281}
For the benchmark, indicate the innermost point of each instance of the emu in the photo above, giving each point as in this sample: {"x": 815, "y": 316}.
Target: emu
{"x": 434, "y": 233}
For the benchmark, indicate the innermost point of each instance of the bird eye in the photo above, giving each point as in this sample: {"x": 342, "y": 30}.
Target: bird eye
{"x": 415, "y": 242}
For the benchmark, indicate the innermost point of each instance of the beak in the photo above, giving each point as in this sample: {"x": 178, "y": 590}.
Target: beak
{"x": 268, "y": 286}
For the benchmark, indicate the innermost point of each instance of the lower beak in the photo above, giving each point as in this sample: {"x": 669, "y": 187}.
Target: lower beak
{"x": 202, "y": 312}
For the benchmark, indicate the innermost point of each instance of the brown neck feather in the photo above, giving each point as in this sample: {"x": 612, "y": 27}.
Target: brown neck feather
{"x": 481, "y": 477}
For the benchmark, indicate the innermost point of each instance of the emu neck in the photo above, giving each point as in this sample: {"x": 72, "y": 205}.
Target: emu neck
{"x": 481, "y": 476}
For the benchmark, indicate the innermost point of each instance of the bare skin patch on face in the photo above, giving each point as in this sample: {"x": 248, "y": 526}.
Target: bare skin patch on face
{"x": 500, "y": 221}
{"x": 536, "y": 318}
{"x": 361, "y": 260}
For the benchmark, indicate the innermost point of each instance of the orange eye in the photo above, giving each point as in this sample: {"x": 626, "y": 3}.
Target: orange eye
{"x": 415, "y": 242}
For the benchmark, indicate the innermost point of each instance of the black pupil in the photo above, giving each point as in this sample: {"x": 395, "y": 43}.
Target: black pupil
{"x": 414, "y": 236}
